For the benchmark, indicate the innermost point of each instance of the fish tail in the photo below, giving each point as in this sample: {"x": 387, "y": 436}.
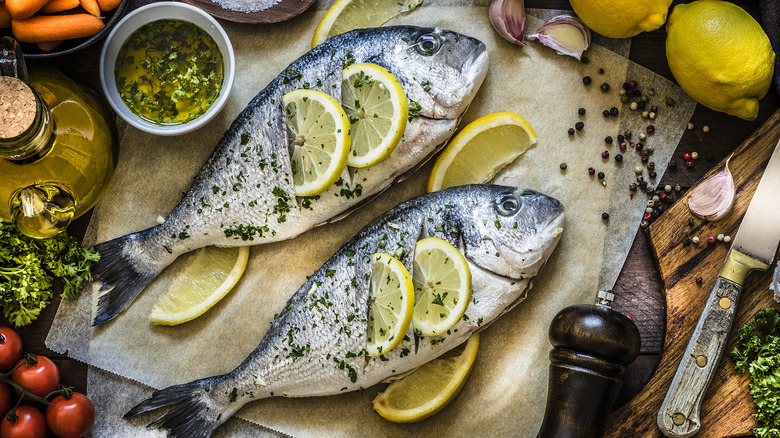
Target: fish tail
{"x": 193, "y": 413}
{"x": 121, "y": 275}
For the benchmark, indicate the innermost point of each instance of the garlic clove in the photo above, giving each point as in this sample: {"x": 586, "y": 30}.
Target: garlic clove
{"x": 566, "y": 34}
{"x": 508, "y": 19}
{"x": 713, "y": 199}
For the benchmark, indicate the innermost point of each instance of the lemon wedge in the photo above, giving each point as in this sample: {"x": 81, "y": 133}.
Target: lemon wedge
{"x": 318, "y": 130}
{"x": 346, "y": 15}
{"x": 206, "y": 278}
{"x": 429, "y": 388}
{"x": 442, "y": 286}
{"x": 392, "y": 304}
{"x": 480, "y": 150}
{"x": 376, "y": 106}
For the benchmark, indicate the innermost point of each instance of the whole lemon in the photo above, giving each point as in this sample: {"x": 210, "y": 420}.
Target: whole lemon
{"x": 622, "y": 18}
{"x": 720, "y": 56}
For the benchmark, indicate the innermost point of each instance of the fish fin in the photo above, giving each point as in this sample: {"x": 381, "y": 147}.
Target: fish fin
{"x": 192, "y": 414}
{"x": 120, "y": 277}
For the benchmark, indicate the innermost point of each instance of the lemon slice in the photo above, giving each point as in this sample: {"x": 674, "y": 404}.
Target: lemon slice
{"x": 480, "y": 150}
{"x": 376, "y": 106}
{"x": 392, "y": 304}
{"x": 429, "y": 388}
{"x": 346, "y": 15}
{"x": 442, "y": 286}
{"x": 206, "y": 278}
{"x": 318, "y": 131}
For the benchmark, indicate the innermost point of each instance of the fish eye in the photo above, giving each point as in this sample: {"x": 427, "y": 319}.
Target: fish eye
{"x": 428, "y": 44}
{"x": 507, "y": 205}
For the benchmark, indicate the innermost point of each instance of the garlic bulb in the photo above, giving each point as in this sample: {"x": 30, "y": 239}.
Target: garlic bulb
{"x": 566, "y": 34}
{"x": 713, "y": 199}
{"x": 508, "y": 18}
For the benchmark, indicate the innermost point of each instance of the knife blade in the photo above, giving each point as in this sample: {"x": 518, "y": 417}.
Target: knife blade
{"x": 754, "y": 248}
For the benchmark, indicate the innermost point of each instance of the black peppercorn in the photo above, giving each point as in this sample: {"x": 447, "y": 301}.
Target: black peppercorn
{"x": 641, "y": 105}
{"x": 686, "y": 241}
{"x": 601, "y": 71}
{"x": 571, "y": 131}
{"x": 618, "y": 158}
{"x": 625, "y": 85}
{"x": 613, "y": 111}
{"x": 608, "y": 139}
{"x": 605, "y": 87}
{"x": 690, "y": 222}
{"x": 620, "y": 138}
{"x": 581, "y": 111}
{"x": 605, "y": 113}
{"x": 605, "y": 216}
{"x": 578, "y": 126}
{"x": 586, "y": 80}
{"x": 637, "y": 92}
{"x": 653, "y": 174}
{"x": 600, "y": 175}
{"x": 643, "y": 185}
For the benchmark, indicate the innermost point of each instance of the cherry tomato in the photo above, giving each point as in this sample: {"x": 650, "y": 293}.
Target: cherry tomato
{"x": 40, "y": 379}
{"x": 5, "y": 398}
{"x": 10, "y": 349}
{"x": 70, "y": 418}
{"x": 29, "y": 424}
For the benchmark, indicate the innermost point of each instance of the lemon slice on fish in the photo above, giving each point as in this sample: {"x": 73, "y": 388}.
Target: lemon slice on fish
{"x": 318, "y": 130}
{"x": 429, "y": 388}
{"x": 207, "y": 276}
{"x": 481, "y": 149}
{"x": 376, "y": 106}
{"x": 442, "y": 286}
{"x": 346, "y": 15}
{"x": 392, "y": 304}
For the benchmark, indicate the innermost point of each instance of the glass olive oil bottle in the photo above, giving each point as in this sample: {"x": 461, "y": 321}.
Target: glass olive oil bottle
{"x": 58, "y": 148}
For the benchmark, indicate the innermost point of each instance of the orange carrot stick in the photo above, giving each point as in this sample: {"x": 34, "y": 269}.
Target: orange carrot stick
{"x": 21, "y": 9}
{"x": 43, "y": 28}
{"x": 5, "y": 17}
{"x": 59, "y": 5}
{"x": 108, "y": 5}
{"x": 48, "y": 46}
{"x": 91, "y": 6}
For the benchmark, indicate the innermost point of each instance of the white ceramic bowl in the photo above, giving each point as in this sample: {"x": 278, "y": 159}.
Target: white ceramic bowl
{"x": 148, "y": 14}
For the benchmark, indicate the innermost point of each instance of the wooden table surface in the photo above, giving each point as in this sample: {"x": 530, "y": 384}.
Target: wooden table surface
{"x": 638, "y": 288}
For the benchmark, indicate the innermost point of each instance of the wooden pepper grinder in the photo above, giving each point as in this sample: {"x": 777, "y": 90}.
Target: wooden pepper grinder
{"x": 592, "y": 346}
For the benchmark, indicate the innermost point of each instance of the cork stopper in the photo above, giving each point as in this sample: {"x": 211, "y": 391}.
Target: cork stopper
{"x": 17, "y": 107}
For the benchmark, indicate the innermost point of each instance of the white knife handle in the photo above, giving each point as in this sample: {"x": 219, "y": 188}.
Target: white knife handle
{"x": 679, "y": 413}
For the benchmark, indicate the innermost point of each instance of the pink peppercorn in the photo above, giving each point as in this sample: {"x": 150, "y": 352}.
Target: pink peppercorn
{"x": 689, "y": 163}
{"x": 639, "y": 146}
{"x": 648, "y": 217}
{"x": 622, "y": 145}
{"x": 699, "y": 280}
{"x": 632, "y": 84}
{"x": 662, "y": 196}
{"x": 605, "y": 155}
{"x": 591, "y": 171}
{"x": 644, "y": 158}
{"x": 711, "y": 240}
{"x": 650, "y": 129}
{"x": 687, "y": 156}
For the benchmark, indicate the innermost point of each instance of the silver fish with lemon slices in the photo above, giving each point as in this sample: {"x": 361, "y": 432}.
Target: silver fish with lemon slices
{"x": 316, "y": 345}
{"x": 245, "y": 193}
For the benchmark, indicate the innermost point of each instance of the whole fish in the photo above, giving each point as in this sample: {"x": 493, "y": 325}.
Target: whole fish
{"x": 316, "y": 345}
{"x": 244, "y": 194}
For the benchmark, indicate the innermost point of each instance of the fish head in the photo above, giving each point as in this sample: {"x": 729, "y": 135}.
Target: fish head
{"x": 440, "y": 70}
{"x": 515, "y": 231}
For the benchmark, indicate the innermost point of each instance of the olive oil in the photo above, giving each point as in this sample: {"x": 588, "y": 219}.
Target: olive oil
{"x": 169, "y": 72}
{"x": 73, "y": 161}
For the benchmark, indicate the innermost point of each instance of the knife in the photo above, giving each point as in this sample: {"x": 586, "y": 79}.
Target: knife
{"x": 753, "y": 248}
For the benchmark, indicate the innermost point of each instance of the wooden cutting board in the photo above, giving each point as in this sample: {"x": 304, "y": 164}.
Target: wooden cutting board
{"x": 727, "y": 408}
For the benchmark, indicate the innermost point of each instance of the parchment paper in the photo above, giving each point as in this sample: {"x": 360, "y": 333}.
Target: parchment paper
{"x": 506, "y": 392}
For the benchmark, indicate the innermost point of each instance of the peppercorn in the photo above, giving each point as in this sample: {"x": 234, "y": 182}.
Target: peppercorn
{"x": 655, "y": 213}
{"x": 662, "y": 196}
{"x": 689, "y": 163}
{"x": 667, "y": 188}
{"x": 650, "y": 129}
{"x": 624, "y": 99}
{"x": 625, "y": 85}
{"x": 601, "y": 71}
{"x": 643, "y": 185}
{"x": 705, "y": 128}
{"x": 644, "y": 116}
{"x": 644, "y": 224}
{"x": 631, "y": 84}
{"x": 632, "y": 187}
{"x": 652, "y": 115}
{"x": 649, "y": 210}
{"x": 670, "y": 197}
{"x": 644, "y": 158}
{"x": 694, "y": 155}
{"x": 695, "y": 239}
{"x": 618, "y": 158}
{"x": 605, "y": 216}
{"x": 687, "y": 156}
{"x": 638, "y": 146}
{"x": 649, "y": 189}
{"x": 613, "y": 111}
{"x": 670, "y": 101}
{"x": 653, "y": 174}
{"x": 650, "y": 203}
{"x": 727, "y": 239}
{"x": 711, "y": 240}
{"x": 633, "y": 106}
{"x": 586, "y": 80}
{"x": 605, "y": 155}
{"x": 581, "y": 111}
{"x": 686, "y": 241}
{"x": 638, "y": 170}
{"x": 605, "y": 113}
{"x": 622, "y": 145}
{"x": 636, "y": 93}
{"x": 650, "y": 149}
{"x": 641, "y": 104}
{"x": 608, "y": 139}
{"x": 639, "y": 178}
{"x": 600, "y": 175}
{"x": 656, "y": 198}
{"x": 651, "y": 165}
{"x": 605, "y": 87}
{"x": 699, "y": 280}
{"x": 563, "y": 166}
{"x": 720, "y": 237}
{"x": 661, "y": 209}
{"x": 690, "y": 222}
{"x": 677, "y": 188}
{"x": 620, "y": 137}
{"x": 571, "y": 131}
{"x": 647, "y": 217}
{"x": 591, "y": 171}
{"x": 627, "y": 134}
{"x": 578, "y": 126}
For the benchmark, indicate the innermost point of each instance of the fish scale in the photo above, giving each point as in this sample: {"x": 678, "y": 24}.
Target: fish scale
{"x": 316, "y": 344}
{"x": 244, "y": 193}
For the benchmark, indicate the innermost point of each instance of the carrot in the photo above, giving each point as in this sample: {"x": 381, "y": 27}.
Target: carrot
{"x": 5, "y": 17}
{"x": 48, "y": 46}
{"x": 91, "y": 6}
{"x": 21, "y": 9}
{"x": 107, "y": 5}
{"x": 59, "y": 5}
{"x": 45, "y": 28}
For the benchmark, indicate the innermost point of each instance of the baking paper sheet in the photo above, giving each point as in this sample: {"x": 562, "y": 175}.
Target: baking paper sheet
{"x": 506, "y": 392}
